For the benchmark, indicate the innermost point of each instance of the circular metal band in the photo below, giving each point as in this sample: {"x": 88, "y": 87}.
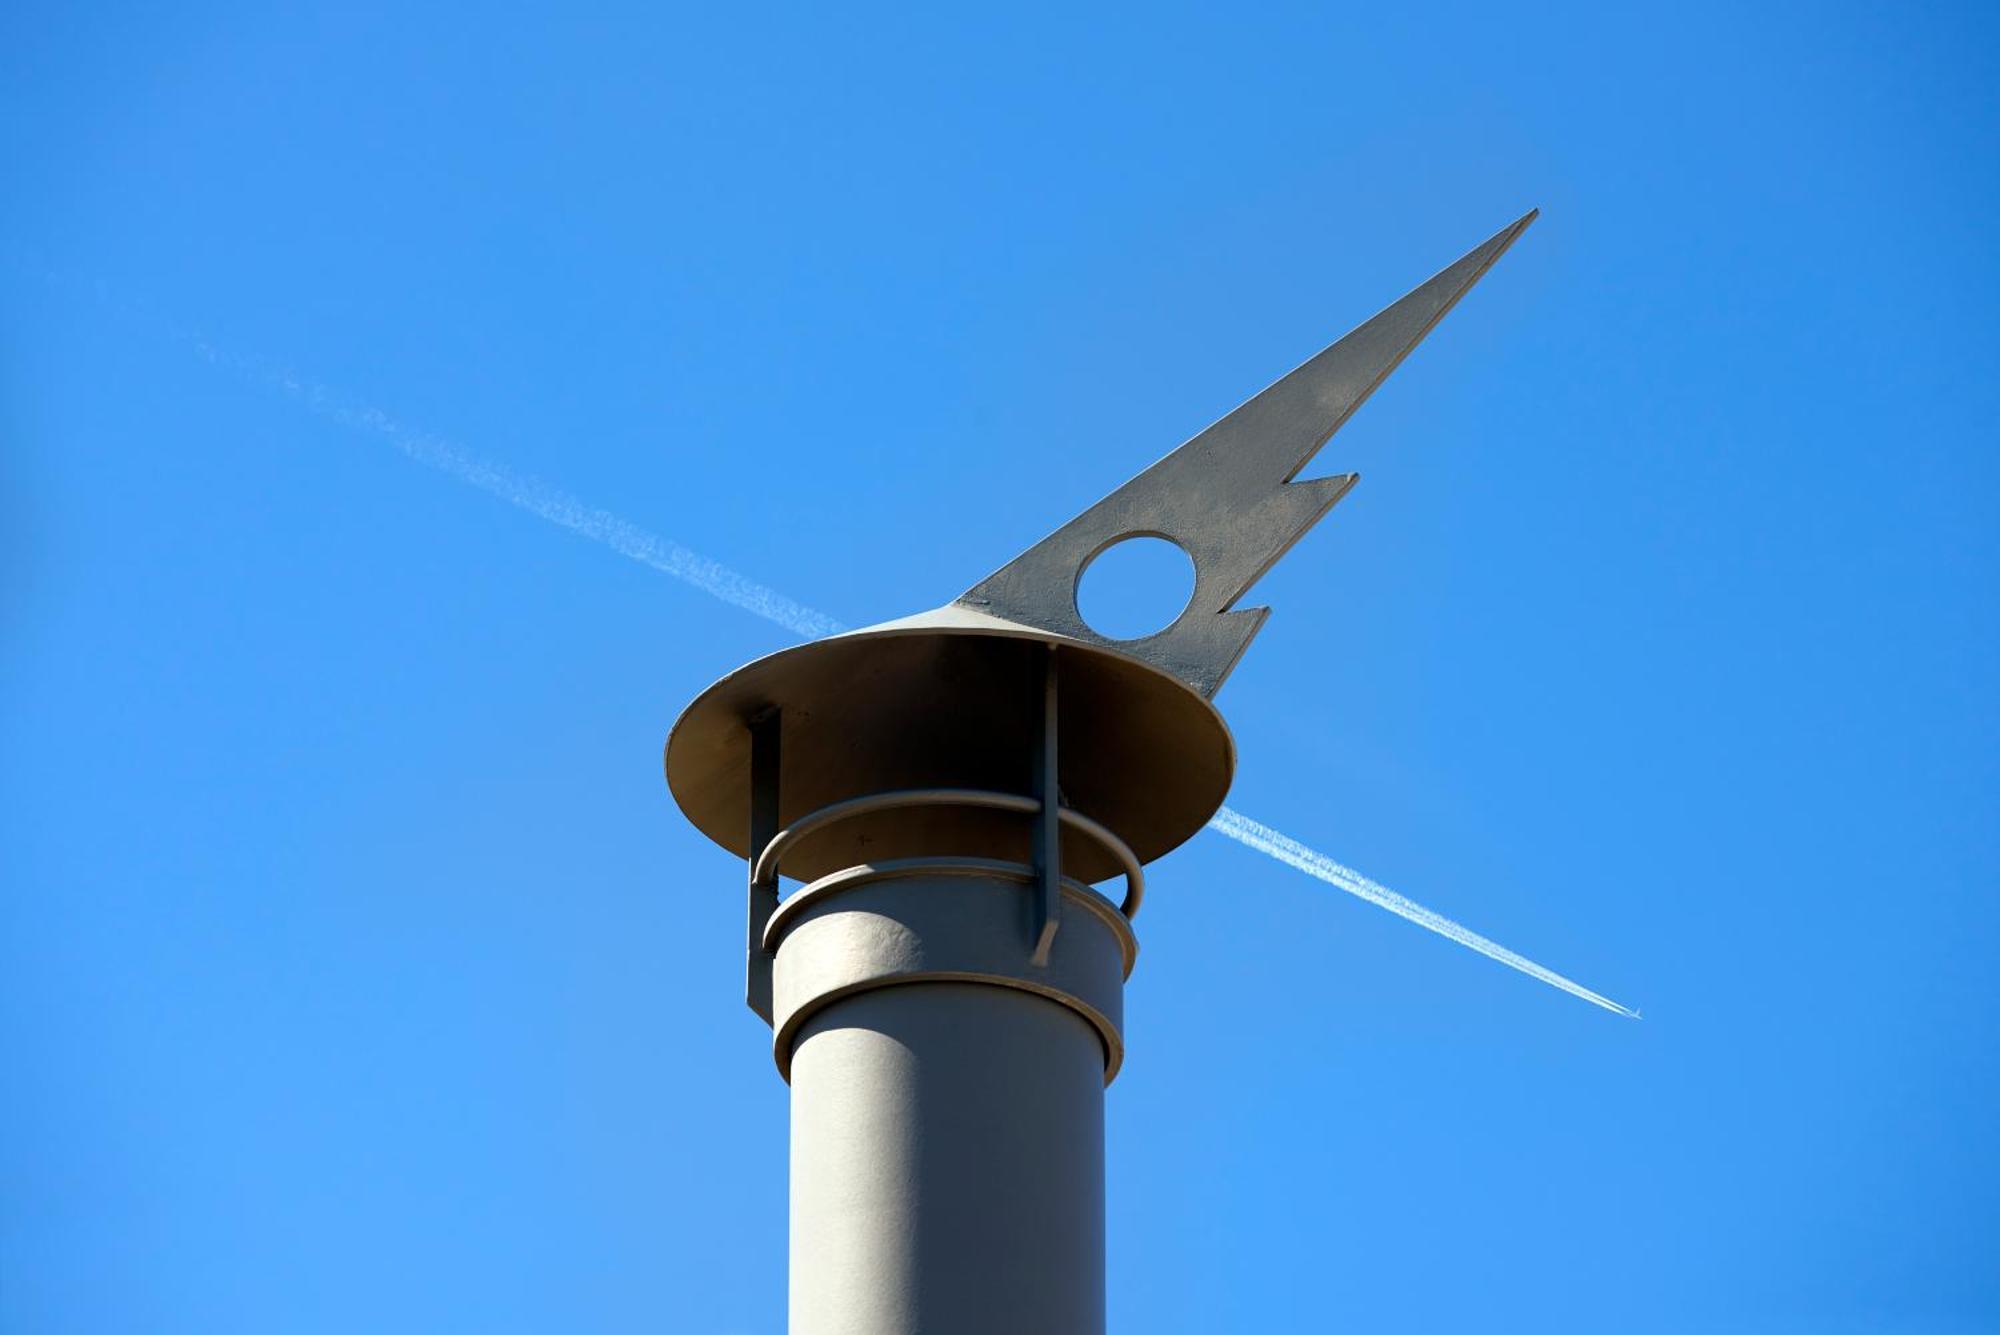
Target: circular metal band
{"x": 765, "y": 872}
{"x": 1074, "y": 892}
{"x": 866, "y": 927}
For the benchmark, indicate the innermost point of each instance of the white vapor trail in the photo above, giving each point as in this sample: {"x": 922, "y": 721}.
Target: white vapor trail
{"x": 719, "y": 581}
{"x": 1292, "y": 853}
{"x": 536, "y": 497}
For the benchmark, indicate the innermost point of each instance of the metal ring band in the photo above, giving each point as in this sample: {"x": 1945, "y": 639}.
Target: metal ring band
{"x": 765, "y": 872}
{"x": 1096, "y": 1008}
{"x": 868, "y": 873}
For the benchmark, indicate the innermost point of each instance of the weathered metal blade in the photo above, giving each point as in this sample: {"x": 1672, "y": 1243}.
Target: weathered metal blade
{"x": 1227, "y": 496}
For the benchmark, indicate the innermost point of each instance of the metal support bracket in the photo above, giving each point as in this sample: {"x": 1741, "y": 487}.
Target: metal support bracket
{"x": 1048, "y": 816}
{"x": 766, "y": 731}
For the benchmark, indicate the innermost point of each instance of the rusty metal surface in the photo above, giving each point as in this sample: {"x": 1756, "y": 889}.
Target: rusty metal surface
{"x": 1226, "y": 497}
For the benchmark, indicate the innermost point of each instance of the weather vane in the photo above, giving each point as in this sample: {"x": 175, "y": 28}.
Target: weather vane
{"x": 946, "y": 990}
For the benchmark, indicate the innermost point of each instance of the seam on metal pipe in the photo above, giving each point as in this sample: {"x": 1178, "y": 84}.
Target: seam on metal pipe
{"x": 869, "y": 873}
{"x": 1107, "y": 1033}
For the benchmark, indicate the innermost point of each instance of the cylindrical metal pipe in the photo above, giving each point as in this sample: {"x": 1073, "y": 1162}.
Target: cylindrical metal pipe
{"x": 947, "y": 1165}
{"x": 947, "y": 1100}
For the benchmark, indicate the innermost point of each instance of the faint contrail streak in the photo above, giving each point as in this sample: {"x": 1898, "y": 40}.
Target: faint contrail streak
{"x": 536, "y": 497}
{"x": 1295, "y": 854}
{"x": 528, "y": 493}
{"x": 719, "y": 581}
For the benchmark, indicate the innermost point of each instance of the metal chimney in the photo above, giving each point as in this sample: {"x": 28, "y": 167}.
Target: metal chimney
{"x": 946, "y": 990}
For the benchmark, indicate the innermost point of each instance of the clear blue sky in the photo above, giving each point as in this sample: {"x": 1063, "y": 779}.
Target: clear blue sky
{"x": 357, "y": 972}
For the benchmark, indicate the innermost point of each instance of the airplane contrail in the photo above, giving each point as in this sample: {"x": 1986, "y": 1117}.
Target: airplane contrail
{"x": 1292, "y": 853}
{"x": 536, "y": 497}
{"x": 739, "y": 590}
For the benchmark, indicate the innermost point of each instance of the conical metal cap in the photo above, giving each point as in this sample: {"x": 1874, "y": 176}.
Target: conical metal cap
{"x": 948, "y": 700}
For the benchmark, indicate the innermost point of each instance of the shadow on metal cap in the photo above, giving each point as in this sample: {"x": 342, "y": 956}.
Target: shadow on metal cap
{"x": 948, "y": 699}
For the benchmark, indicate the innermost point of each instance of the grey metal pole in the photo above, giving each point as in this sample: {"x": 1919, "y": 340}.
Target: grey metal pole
{"x": 947, "y": 1104}
{"x": 946, "y": 992}
{"x": 947, "y": 1166}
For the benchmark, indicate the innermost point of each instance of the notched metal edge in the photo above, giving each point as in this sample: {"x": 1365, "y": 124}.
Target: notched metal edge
{"x": 1229, "y": 497}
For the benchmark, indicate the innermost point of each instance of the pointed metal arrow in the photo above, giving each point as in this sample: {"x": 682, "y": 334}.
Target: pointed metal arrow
{"x": 1227, "y": 497}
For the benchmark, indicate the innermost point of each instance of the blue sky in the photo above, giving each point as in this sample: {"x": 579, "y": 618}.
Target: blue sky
{"x": 357, "y": 971}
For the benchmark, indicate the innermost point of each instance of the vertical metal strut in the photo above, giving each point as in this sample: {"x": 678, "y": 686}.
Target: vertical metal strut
{"x": 766, "y": 730}
{"x": 1048, "y": 818}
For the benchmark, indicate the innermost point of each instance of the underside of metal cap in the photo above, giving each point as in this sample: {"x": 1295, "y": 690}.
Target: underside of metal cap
{"x": 947, "y": 700}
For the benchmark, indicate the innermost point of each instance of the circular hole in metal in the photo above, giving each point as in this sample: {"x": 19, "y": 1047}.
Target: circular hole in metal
{"x": 1135, "y": 587}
